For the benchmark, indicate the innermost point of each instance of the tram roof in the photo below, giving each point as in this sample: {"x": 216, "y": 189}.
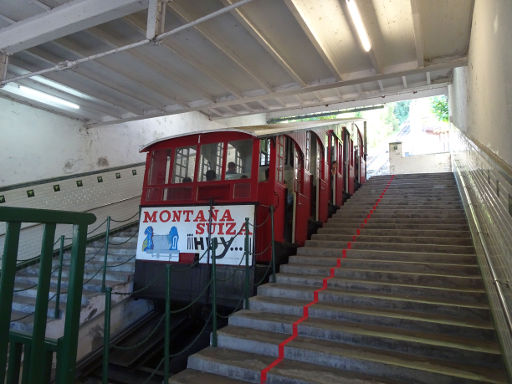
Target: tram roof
{"x": 264, "y": 130}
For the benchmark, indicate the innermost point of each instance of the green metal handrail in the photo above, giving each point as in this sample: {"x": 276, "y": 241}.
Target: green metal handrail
{"x": 35, "y": 368}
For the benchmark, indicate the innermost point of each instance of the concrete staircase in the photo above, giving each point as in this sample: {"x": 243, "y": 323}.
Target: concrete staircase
{"x": 121, "y": 259}
{"x": 406, "y": 305}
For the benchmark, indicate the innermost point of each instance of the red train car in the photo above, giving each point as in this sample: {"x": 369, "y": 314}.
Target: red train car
{"x": 203, "y": 185}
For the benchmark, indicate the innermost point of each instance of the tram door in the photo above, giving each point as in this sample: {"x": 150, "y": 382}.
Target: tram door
{"x": 332, "y": 170}
{"x": 320, "y": 187}
{"x": 348, "y": 164}
{"x": 314, "y": 163}
{"x": 357, "y": 168}
{"x": 339, "y": 173}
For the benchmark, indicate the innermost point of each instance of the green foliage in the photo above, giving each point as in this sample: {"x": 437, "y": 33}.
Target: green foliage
{"x": 401, "y": 111}
{"x": 389, "y": 117}
{"x": 440, "y": 108}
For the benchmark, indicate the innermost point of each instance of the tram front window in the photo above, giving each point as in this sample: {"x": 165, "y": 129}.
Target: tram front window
{"x": 210, "y": 166}
{"x": 238, "y": 159}
{"x": 184, "y": 164}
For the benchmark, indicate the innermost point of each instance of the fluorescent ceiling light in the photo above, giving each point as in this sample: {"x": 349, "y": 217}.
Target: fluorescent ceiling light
{"x": 358, "y": 23}
{"x": 41, "y": 97}
{"x": 60, "y": 87}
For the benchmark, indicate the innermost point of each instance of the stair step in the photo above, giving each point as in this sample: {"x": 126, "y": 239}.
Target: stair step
{"x": 428, "y": 279}
{"x": 398, "y": 266}
{"x": 396, "y": 214}
{"x": 378, "y": 300}
{"x": 397, "y": 220}
{"x": 358, "y": 359}
{"x": 367, "y": 231}
{"x": 191, "y": 376}
{"x": 247, "y": 367}
{"x": 353, "y": 224}
{"x": 454, "y": 349}
{"x": 420, "y": 322}
{"x": 304, "y": 257}
{"x": 444, "y": 248}
{"x": 469, "y": 296}
{"x": 395, "y": 239}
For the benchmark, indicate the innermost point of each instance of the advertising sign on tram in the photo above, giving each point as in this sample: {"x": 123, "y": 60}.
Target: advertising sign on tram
{"x": 167, "y": 232}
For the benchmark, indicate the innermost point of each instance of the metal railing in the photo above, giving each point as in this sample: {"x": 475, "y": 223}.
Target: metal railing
{"x": 36, "y": 349}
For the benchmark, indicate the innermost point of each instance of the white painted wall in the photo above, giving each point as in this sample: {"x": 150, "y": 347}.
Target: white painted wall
{"x": 481, "y": 94}
{"x": 36, "y": 144}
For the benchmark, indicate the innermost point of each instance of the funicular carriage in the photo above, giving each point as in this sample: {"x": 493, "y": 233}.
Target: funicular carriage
{"x": 218, "y": 178}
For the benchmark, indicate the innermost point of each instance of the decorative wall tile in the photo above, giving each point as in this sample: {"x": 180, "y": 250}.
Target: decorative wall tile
{"x": 115, "y": 197}
{"x": 489, "y": 187}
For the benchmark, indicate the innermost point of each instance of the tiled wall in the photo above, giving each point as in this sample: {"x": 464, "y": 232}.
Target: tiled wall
{"x": 114, "y": 192}
{"x": 488, "y": 184}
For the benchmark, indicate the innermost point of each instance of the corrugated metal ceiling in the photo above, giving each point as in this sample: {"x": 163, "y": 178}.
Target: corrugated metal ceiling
{"x": 264, "y": 56}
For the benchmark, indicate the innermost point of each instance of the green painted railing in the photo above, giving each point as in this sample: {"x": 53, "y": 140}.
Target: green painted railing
{"x": 36, "y": 349}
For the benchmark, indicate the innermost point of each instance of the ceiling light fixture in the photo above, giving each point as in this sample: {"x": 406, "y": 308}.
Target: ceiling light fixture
{"x": 45, "y": 98}
{"x": 358, "y": 23}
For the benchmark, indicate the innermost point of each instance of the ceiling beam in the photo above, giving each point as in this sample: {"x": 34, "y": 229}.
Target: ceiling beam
{"x": 452, "y": 63}
{"x": 329, "y": 61}
{"x": 156, "y": 18}
{"x": 263, "y": 41}
{"x": 77, "y": 80}
{"x": 35, "y": 104}
{"x": 120, "y": 86}
{"x": 372, "y": 98}
{"x": 374, "y": 60}
{"x": 418, "y": 34}
{"x": 4, "y": 61}
{"x": 209, "y": 34}
{"x": 63, "y": 20}
{"x": 97, "y": 109}
{"x": 177, "y": 51}
{"x": 154, "y": 65}
{"x": 41, "y": 5}
{"x": 98, "y": 102}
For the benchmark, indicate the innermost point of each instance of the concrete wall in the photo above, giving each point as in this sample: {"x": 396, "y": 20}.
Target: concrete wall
{"x": 425, "y": 163}
{"x": 481, "y": 94}
{"x": 36, "y": 144}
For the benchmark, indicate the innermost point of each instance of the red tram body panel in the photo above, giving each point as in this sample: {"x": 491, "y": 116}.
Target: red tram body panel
{"x": 203, "y": 185}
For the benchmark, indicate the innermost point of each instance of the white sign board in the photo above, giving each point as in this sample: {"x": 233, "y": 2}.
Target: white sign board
{"x": 165, "y": 232}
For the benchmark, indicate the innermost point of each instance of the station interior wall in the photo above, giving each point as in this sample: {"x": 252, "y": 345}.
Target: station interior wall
{"x": 37, "y": 144}
{"x": 481, "y": 93}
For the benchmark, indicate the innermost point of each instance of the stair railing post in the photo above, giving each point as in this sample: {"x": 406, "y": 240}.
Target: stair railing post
{"x": 273, "y": 249}
{"x": 167, "y": 324}
{"x": 214, "y": 292}
{"x": 107, "y": 235}
{"x": 56, "y": 314}
{"x": 9, "y": 256}
{"x": 246, "y": 255}
{"x": 106, "y": 335}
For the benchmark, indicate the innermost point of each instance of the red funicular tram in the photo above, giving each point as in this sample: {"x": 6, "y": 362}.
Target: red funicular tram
{"x": 218, "y": 178}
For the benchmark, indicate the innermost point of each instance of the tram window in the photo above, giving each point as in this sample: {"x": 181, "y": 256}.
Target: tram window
{"x": 184, "y": 164}
{"x": 307, "y": 159}
{"x": 264, "y": 152}
{"x": 264, "y": 163}
{"x": 238, "y": 159}
{"x": 210, "y": 162}
{"x": 159, "y": 168}
{"x": 280, "y": 160}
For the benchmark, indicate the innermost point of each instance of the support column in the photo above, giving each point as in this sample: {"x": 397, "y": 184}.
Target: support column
{"x": 156, "y": 18}
{"x": 4, "y": 61}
